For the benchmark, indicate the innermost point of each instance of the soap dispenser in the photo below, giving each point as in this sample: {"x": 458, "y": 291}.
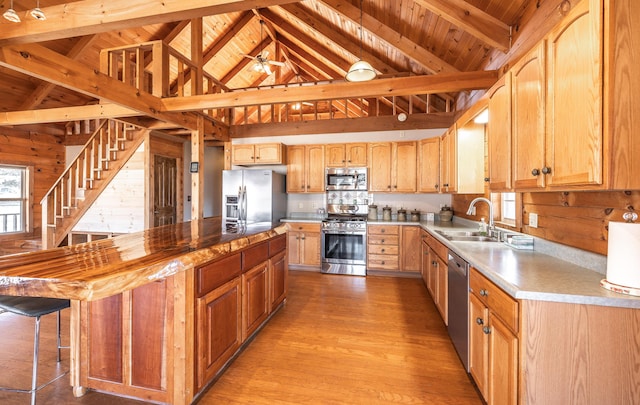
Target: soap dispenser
{"x": 482, "y": 227}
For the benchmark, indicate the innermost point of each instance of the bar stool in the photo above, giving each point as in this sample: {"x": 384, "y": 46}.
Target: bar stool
{"x": 35, "y": 307}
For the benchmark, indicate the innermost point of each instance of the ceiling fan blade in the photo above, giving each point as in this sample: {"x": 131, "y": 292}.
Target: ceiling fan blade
{"x": 266, "y": 68}
{"x": 248, "y": 56}
{"x": 275, "y": 62}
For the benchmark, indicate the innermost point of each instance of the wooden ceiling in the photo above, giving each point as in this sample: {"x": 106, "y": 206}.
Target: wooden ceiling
{"x": 317, "y": 40}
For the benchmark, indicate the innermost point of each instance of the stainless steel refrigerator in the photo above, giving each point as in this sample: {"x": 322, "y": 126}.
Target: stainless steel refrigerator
{"x": 251, "y": 197}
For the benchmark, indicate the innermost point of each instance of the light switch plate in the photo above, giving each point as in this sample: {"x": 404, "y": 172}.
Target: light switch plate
{"x": 533, "y": 220}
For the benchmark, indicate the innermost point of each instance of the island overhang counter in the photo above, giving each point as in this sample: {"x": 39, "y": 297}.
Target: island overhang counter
{"x": 157, "y": 314}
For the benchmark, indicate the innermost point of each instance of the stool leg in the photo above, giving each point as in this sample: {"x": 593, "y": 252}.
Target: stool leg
{"x": 59, "y": 340}
{"x": 34, "y": 377}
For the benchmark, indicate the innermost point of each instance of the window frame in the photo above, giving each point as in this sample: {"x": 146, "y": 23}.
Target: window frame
{"x": 516, "y": 225}
{"x": 26, "y": 199}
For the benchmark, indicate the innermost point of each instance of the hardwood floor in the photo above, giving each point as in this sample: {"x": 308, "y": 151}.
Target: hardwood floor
{"x": 337, "y": 340}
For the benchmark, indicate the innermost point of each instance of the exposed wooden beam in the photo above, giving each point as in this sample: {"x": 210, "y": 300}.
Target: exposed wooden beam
{"x": 320, "y": 65}
{"x": 410, "y": 49}
{"x": 95, "y": 16}
{"x": 245, "y": 61}
{"x": 65, "y": 114}
{"x": 476, "y": 22}
{"x": 401, "y": 86}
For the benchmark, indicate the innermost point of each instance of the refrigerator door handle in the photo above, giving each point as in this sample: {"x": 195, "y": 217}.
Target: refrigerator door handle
{"x": 244, "y": 204}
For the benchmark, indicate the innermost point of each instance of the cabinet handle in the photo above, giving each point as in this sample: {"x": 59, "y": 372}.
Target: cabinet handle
{"x": 436, "y": 187}
{"x": 483, "y": 292}
{"x": 486, "y": 179}
{"x": 382, "y": 250}
{"x": 535, "y": 172}
{"x": 486, "y": 330}
{"x": 396, "y": 186}
{"x": 445, "y": 185}
{"x": 308, "y": 187}
{"x": 435, "y": 264}
{"x": 303, "y": 238}
{"x": 479, "y": 321}
{"x": 383, "y": 262}
{"x": 389, "y": 186}
{"x": 257, "y": 157}
{"x": 349, "y": 160}
{"x": 382, "y": 231}
{"x": 382, "y": 241}
{"x": 546, "y": 170}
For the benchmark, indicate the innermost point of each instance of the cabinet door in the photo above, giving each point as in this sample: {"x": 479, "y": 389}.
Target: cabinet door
{"x": 295, "y": 169}
{"x": 218, "y": 329}
{"x": 424, "y": 267}
{"x": 268, "y": 153}
{"x": 448, "y": 163}
{"x": 411, "y": 253}
{"x": 528, "y": 92}
{"x": 310, "y": 249}
{"x": 315, "y": 169}
{"x": 242, "y": 154}
{"x": 335, "y": 155}
{"x": 429, "y": 165}
{"x": 432, "y": 277}
{"x": 503, "y": 364}
{"x": 380, "y": 166}
{"x": 443, "y": 290}
{"x": 405, "y": 162}
{"x": 255, "y": 296}
{"x": 478, "y": 344}
{"x": 293, "y": 247}
{"x": 278, "y": 279}
{"x": 574, "y": 115}
{"x": 499, "y": 134}
{"x": 356, "y": 154}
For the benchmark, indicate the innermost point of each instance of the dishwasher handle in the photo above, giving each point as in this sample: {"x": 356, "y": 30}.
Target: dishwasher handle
{"x": 458, "y": 265}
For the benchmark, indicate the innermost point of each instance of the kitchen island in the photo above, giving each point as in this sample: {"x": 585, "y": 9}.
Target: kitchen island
{"x": 157, "y": 314}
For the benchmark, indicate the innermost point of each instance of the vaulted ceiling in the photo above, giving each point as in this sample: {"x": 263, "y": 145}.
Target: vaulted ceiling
{"x": 315, "y": 40}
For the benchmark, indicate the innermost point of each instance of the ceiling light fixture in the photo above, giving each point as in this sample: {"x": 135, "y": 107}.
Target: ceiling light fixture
{"x": 37, "y": 13}
{"x": 361, "y": 71}
{"x": 11, "y": 14}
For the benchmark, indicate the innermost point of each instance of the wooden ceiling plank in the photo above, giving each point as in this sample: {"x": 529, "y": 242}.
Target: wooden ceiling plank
{"x": 402, "y": 86}
{"x": 245, "y": 61}
{"x": 318, "y": 63}
{"x": 95, "y": 16}
{"x": 45, "y": 64}
{"x": 227, "y": 36}
{"x": 410, "y": 49}
{"x": 476, "y": 22}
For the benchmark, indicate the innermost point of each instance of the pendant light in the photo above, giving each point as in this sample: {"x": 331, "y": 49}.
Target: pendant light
{"x": 11, "y": 14}
{"x": 37, "y": 13}
{"x": 361, "y": 71}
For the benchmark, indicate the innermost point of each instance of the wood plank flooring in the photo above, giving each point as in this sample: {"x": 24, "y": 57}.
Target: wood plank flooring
{"x": 337, "y": 340}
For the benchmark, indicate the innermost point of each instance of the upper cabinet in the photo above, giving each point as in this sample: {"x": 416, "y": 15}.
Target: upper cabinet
{"x": 470, "y": 156}
{"x": 258, "y": 154}
{"x": 346, "y": 155}
{"x": 305, "y": 169}
{"x": 393, "y": 167}
{"x": 499, "y": 130}
{"x": 429, "y": 165}
{"x": 448, "y": 154}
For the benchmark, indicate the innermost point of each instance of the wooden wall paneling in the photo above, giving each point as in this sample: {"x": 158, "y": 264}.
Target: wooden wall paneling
{"x": 104, "y": 336}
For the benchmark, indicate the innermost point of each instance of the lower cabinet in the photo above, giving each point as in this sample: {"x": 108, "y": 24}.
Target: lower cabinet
{"x": 383, "y": 247}
{"x": 435, "y": 274}
{"x": 410, "y": 248}
{"x": 278, "y": 276}
{"x": 493, "y": 340}
{"x": 255, "y": 298}
{"x": 303, "y": 241}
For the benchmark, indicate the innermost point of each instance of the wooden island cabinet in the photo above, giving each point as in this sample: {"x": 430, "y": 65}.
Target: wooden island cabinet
{"x": 157, "y": 314}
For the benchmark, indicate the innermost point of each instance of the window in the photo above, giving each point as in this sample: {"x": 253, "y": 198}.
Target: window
{"x": 13, "y": 199}
{"x": 508, "y": 205}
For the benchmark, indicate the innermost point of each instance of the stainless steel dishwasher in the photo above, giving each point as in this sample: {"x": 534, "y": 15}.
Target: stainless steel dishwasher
{"x": 458, "y": 304}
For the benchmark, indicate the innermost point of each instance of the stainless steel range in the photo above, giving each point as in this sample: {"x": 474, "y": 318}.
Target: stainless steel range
{"x": 344, "y": 233}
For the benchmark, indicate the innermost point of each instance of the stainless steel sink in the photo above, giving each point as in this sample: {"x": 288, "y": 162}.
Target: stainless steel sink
{"x": 466, "y": 236}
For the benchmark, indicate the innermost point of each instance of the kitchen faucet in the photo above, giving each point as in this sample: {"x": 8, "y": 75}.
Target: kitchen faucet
{"x": 490, "y": 204}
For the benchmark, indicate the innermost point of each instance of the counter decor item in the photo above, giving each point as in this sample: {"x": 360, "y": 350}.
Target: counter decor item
{"x": 372, "y": 215}
{"x": 415, "y": 216}
{"x": 446, "y": 213}
{"x": 402, "y": 215}
{"x": 623, "y": 256}
{"x": 386, "y": 213}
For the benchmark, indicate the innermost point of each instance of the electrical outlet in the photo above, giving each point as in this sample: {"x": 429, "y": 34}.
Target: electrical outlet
{"x": 300, "y": 205}
{"x": 533, "y": 220}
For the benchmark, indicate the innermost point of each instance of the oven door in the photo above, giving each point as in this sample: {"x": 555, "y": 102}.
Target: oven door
{"x": 344, "y": 252}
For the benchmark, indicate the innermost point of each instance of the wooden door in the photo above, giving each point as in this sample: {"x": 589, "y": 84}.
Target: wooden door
{"x": 429, "y": 165}
{"x": 295, "y": 169}
{"x": 315, "y": 169}
{"x": 405, "y": 170}
{"x": 503, "y": 365}
{"x": 242, "y": 154}
{"x": 356, "y": 154}
{"x": 380, "y": 166}
{"x": 499, "y": 135}
{"x": 574, "y": 145}
{"x": 255, "y": 298}
{"x": 164, "y": 191}
{"x": 336, "y": 155}
{"x": 478, "y": 344}
{"x": 268, "y": 153}
{"x": 528, "y": 91}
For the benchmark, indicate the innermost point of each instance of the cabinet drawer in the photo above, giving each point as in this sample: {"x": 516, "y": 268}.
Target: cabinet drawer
{"x": 382, "y": 262}
{"x": 441, "y": 250}
{"x": 499, "y": 302}
{"x": 384, "y": 229}
{"x": 213, "y": 275}
{"x": 277, "y": 244}
{"x": 383, "y": 249}
{"x": 303, "y": 227}
{"x": 383, "y": 240}
{"x": 255, "y": 255}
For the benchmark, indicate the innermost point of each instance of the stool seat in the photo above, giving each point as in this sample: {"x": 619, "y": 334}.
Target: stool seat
{"x": 32, "y": 306}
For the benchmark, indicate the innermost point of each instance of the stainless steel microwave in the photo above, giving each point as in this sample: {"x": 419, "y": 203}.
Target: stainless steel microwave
{"x": 351, "y": 178}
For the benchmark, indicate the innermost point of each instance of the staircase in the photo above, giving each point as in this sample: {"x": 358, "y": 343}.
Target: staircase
{"x": 105, "y": 153}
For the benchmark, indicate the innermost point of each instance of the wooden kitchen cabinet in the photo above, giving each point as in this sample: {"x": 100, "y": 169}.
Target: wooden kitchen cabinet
{"x": 499, "y": 134}
{"x": 278, "y": 279}
{"x": 410, "y": 248}
{"x": 429, "y": 165}
{"x": 258, "y": 154}
{"x": 437, "y": 279}
{"x": 393, "y": 167}
{"x": 448, "y": 156}
{"x": 346, "y": 155}
{"x": 383, "y": 247}
{"x": 493, "y": 358}
{"x": 424, "y": 263}
{"x": 305, "y": 169}
{"x": 255, "y": 298}
{"x": 303, "y": 244}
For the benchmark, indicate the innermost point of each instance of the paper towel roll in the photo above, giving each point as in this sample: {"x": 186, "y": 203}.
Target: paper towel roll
{"x": 623, "y": 260}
